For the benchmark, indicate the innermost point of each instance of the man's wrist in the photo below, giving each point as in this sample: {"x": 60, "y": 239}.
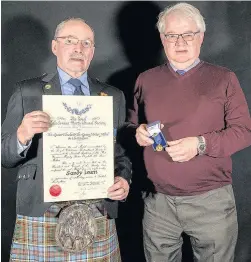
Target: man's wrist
{"x": 23, "y": 142}
{"x": 22, "y": 148}
{"x": 21, "y": 139}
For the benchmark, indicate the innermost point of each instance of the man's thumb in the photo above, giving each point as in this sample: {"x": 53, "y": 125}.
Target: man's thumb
{"x": 174, "y": 142}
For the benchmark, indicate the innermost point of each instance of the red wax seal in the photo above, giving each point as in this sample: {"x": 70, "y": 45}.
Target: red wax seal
{"x": 55, "y": 190}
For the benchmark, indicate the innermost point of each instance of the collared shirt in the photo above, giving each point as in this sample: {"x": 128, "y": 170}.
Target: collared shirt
{"x": 67, "y": 89}
{"x": 195, "y": 63}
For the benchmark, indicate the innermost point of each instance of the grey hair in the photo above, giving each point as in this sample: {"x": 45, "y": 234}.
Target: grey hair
{"x": 62, "y": 24}
{"x": 184, "y": 9}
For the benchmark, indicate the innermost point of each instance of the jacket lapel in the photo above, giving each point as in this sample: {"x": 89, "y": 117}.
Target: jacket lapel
{"x": 95, "y": 86}
{"x": 51, "y": 84}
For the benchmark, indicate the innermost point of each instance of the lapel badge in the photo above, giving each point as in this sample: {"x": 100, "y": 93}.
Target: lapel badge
{"x": 103, "y": 94}
{"x": 48, "y": 86}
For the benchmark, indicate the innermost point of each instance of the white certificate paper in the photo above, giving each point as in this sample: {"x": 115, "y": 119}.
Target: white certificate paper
{"x": 78, "y": 149}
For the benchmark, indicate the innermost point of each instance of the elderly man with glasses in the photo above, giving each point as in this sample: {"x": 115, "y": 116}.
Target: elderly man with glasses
{"x": 34, "y": 236}
{"x": 205, "y": 119}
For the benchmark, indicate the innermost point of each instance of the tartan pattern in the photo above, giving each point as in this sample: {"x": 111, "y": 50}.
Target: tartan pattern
{"x": 34, "y": 241}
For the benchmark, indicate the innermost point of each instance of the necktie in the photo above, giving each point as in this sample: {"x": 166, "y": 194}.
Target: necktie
{"x": 77, "y": 84}
{"x": 181, "y": 72}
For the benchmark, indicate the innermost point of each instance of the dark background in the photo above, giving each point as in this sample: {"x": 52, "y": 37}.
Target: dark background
{"x": 127, "y": 42}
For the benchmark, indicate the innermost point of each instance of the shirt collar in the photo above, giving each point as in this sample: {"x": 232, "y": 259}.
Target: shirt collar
{"x": 64, "y": 77}
{"x": 195, "y": 63}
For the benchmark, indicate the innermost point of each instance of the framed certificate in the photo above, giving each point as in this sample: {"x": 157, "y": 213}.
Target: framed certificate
{"x": 78, "y": 149}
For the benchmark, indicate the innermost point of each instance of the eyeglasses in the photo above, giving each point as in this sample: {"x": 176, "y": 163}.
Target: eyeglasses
{"x": 173, "y": 38}
{"x": 70, "y": 40}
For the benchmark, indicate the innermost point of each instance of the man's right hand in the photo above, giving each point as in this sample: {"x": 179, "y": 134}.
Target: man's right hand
{"x": 33, "y": 123}
{"x": 142, "y": 136}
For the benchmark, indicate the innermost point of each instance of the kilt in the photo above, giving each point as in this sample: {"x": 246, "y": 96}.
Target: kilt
{"x": 34, "y": 240}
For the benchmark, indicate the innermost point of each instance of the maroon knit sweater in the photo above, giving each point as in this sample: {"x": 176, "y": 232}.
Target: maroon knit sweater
{"x": 208, "y": 101}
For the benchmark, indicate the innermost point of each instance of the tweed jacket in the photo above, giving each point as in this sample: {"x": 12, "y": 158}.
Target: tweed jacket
{"x": 28, "y": 98}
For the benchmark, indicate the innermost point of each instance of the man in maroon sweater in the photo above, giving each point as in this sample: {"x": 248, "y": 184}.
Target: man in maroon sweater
{"x": 205, "y": 119}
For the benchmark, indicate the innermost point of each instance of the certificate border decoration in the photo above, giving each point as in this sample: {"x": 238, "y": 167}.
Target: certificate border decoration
{"x": 75, "y": 110}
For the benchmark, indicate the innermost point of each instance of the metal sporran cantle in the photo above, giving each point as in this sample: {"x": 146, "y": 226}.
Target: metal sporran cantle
{"x": 76, "y": 229}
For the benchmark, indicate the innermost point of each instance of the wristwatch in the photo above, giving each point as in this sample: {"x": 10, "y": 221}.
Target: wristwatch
{"x": 201, "y": 146}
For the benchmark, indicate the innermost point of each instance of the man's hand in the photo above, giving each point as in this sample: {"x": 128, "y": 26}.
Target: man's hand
{"x": 142, "y": 136}
{"x": 183, "y": 149}
{"x": 33, "y": 123}
{"x": 119, "y": 190}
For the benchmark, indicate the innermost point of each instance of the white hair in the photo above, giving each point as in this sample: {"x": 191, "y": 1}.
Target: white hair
{"x": 185, "y": 10}
{"x": 62, "y": 24}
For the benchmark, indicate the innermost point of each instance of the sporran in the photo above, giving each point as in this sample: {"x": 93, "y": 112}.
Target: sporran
{"x": 76, "y": 229}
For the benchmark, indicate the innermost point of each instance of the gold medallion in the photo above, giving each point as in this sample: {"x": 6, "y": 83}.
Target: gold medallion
{"x": 159, "y": 147}
{"x": 103, "y": 94}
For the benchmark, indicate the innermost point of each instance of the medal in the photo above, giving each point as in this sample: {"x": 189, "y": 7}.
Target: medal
{"x": 157, "y": 136}
{"x": 159, "y": 147}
